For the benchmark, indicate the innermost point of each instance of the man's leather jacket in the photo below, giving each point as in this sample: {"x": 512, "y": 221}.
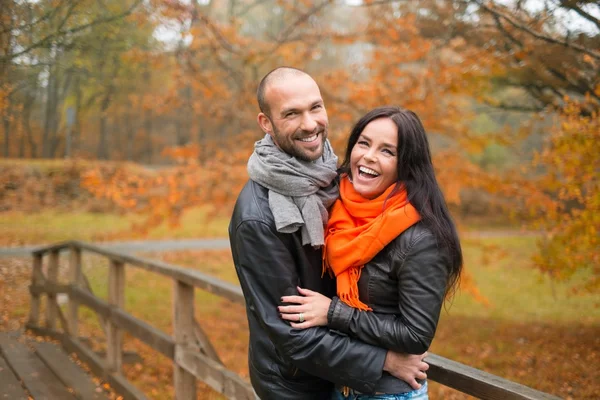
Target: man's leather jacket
{"x": 288, "y": 363}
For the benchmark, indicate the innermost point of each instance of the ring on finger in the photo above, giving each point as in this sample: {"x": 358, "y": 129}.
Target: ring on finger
{"x": 300, "y": 317}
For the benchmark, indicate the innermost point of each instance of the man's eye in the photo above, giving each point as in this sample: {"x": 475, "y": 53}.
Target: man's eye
{"x": 317, "y": 107}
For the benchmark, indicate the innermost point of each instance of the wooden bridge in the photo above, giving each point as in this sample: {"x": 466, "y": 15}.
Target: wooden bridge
{"x": 44, "y": 371}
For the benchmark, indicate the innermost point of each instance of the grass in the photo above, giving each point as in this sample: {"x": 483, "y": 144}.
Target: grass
{"x": 503, "y": 272}
{"x": 52, "y": 226}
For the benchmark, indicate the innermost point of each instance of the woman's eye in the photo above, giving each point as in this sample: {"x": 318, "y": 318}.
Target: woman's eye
{"x": 363, "y": 143}
{"x": 388, "y": 151}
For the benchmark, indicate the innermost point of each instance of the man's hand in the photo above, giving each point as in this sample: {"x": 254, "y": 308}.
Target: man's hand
{"x": 408, "y": 367}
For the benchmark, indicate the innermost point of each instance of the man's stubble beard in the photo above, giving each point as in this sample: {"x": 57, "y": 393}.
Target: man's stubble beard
{"x": 288, "y": 144}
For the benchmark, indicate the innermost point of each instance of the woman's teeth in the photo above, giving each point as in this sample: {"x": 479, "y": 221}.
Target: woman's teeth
{"x": 368, "y": 171}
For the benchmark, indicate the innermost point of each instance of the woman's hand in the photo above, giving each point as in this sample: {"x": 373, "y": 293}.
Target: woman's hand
{"x": 308, "y": 310}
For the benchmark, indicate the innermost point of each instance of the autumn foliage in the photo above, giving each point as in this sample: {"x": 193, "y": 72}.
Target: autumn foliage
{"x": 508, "y": 92}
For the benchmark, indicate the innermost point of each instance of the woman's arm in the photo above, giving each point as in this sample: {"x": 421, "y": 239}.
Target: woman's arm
{"x": 422, "y": 278}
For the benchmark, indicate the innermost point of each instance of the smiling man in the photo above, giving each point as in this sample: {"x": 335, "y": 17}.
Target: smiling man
{"x": 276, "y": 234}
{"x": 295, "y": 115}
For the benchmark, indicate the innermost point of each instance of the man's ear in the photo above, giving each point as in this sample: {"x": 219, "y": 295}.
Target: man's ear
{"x": 264, "y": 122}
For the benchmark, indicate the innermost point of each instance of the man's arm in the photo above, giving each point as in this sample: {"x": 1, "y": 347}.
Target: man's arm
{"x": 267, "y": 271}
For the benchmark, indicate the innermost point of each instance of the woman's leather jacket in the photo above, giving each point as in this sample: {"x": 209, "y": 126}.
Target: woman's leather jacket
{"x": 405, "y": 285}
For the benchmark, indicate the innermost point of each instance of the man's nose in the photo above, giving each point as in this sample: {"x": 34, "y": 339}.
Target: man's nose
{"x": 308, "y": 123}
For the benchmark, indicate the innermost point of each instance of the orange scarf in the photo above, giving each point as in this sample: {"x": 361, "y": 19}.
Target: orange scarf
{"x": 357, "y": 230}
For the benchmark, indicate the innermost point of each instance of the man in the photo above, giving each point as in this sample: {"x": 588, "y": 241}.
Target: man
{"x": 276, "y": 234}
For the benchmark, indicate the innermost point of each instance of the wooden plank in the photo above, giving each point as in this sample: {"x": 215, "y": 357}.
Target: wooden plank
{"x": 191, "y": 277}
{"x": 11, "y": 388}
{"x": 52, "y": 277}
{"x": 214, "y": 374}
{"x": 95, "y": 363}
{"x": 69, "y": 373}
{"x": 88, "y": 287}
{"x": 150, "y": 335}
{"x": 122, "y": 386}
{"x": 204, "y": 344}
{"x": 479, "y": 383}
{"x": 49, "y": 288}
{"x": 116, "y": 298}
{"x": 183, "y": 330}
{"x": 41, "y": 250}
{"x": 41, "y": 383}
{"x": 76, "y": 280}
{"x": 87, "y": 299}
{"x": 52, "y": 289}
{"x": 36, "y": 274}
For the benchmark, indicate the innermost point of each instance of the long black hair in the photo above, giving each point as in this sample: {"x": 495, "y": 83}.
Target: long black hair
{"x": 415, "y": 171}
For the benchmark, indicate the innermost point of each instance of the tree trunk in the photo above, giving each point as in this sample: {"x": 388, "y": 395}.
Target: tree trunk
{"x": 148, "y": 130}
{"x": 148, "y": 123}
{"x": 76, "y": 129}
{"x": 7, "y": 113}
{"x": 26, "y": 123}
{"x": 130, "y": 136}
{"x": 102, "y": 152}
{"x": 50, "y": 111}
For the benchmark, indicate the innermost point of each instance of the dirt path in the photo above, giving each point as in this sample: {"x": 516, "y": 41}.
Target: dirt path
{"x": 216, "y": 243}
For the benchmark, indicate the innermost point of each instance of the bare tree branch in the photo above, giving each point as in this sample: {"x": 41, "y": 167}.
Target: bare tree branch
{"x": 537, "y": 35}
{"x": 61, "y": 33}
{"x": 572, "y": 5}
{"x": 196, "y": 15}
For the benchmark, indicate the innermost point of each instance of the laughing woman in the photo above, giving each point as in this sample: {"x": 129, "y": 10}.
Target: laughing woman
{"x": 392, "y": 245}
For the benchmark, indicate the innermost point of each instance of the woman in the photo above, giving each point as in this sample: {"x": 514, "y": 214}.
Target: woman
{"x": 391, "y": 244}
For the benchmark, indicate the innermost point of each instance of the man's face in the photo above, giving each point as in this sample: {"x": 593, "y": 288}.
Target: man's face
{"x": 298, "y": 120}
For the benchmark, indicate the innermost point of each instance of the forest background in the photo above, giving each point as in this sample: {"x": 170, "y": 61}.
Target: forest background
{"x": 135, "y": 119}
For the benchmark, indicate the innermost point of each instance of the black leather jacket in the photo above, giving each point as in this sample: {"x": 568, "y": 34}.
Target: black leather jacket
{"x": 288, "y": 363}
{"x": 405, "y": 285}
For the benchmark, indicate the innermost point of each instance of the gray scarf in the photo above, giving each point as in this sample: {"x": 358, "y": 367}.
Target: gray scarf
{"x": 300, "y": 192}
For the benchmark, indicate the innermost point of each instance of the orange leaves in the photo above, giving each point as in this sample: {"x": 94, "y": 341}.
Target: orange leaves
{"x": 183, "y": 154}
{"x": 165, "y": 194}
{"x": 571, "y": 162}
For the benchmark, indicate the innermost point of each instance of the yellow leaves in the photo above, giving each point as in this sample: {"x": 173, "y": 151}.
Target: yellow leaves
{"x": 588, "y": 59}
{"x": 572, "y": 163}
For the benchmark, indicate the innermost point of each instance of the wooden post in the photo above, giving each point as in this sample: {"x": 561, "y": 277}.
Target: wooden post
{"x": 52, "y": 306}
{"x": 183, "y": 324}
{"x": 116, "y": 297}
{"x": 36, "y": 278}
{"x": 76, "y": 281}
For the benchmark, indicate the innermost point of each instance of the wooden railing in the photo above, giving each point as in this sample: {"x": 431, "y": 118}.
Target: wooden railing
{"x": 193, "y": 355}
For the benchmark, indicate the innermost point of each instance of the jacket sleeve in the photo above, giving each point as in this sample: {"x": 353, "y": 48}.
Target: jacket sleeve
{"x": 422, "y": 277}
{"x": 267, "y": 271}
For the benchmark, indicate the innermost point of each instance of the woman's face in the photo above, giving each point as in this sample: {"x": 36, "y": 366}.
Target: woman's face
{"x": 374, "y": 158}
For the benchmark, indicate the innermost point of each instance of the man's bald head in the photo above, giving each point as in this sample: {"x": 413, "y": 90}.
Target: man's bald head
{"x": 279, "y": 74}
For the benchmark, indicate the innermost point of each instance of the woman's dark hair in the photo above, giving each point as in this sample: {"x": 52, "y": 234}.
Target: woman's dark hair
{"x": 415, "y": 171}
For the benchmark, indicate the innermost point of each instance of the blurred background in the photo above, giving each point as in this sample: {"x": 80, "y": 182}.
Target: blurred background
{"x": 125, "y": 120}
